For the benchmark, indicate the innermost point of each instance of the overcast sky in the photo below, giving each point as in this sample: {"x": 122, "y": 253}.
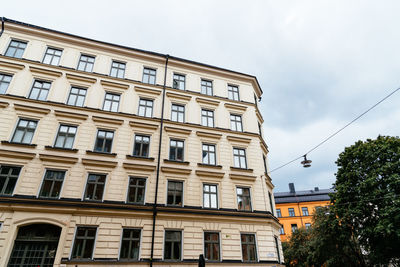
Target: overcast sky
{"x": 319, "y": 63}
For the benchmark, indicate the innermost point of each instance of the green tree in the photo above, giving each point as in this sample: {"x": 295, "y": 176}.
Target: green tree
{"x": 367, "y": 197}
{"x": 296, "y": 250}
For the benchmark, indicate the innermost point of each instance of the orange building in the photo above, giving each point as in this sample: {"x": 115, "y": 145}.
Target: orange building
{"x": 295, "y": 209}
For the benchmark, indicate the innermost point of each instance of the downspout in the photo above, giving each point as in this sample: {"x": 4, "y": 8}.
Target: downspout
{"x": 2, "y": 26}
{"x": 158, "y": 163}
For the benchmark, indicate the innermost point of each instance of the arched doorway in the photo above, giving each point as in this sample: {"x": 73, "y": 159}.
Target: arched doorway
{"x": 35, "y": 245}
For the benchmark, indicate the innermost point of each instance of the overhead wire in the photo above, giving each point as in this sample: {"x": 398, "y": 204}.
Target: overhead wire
{"x": 335, "y": 133}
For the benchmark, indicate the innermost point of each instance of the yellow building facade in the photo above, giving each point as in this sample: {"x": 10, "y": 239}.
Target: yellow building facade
{"x": 294, "y": 209}
{"x": 115, "y": 156}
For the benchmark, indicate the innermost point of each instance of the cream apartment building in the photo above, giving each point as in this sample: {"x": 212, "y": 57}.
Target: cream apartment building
{"x": 114, "y": 156}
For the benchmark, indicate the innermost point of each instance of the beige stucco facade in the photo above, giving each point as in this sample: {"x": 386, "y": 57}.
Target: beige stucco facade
{"x": 112, "y": 214}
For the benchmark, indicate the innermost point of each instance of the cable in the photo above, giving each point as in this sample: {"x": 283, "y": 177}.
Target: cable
{"x": 338, "y": 131}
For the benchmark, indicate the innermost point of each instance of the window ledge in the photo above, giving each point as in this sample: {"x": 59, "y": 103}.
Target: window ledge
{"x": 17, "y": 144}
{"x": 72, "y": 150}
{"x": 139, "y": 158}
{"x": 90, "y": 152}
{"x": 209, "y": 166}
{"x": 241, "y": 169}
{"x": 176, "y": 162}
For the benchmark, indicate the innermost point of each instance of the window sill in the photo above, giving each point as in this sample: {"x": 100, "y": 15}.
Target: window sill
{"x": 17, "y": 144}
{"x": 90, "y": 152}
{"x": 176, "y": 162}
{"x": 209, "y": 166}
{"x": 72, "y": 150}
{"x": 139, "y": 158}
{"x": 241, "y": 169}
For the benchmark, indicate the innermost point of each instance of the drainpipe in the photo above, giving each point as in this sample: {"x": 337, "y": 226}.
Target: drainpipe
{"x": 2, "y": 26}
{"x": 158, "y": 163}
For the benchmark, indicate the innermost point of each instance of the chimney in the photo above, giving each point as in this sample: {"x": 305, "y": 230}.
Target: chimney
{"x": 291, "y": 188}
{"x": 316, "y": 189}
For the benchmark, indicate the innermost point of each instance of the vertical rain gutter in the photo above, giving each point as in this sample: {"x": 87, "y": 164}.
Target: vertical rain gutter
{"x": 158, "y": 163}
{"x": 2, "y": 26}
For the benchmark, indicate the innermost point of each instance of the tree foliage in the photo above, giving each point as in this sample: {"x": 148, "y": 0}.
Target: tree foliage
{"x": 362, "y": 226}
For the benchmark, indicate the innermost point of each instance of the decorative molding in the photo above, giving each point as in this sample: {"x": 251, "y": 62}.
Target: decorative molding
{"x": 114, "y": 85}
{"x": 139, "y": 167}
{"x": 17, "y": 154}
{"x": 107, "y": 120}
{"x": 210, "y": 174}
{"x": 7, "y": 143}
{"x": 268, "y": 181}
{"x": 208, "y": 135}
{"x": 99, "y": 163}
{"x": 58, "y": 159}
{"x": 175, "y": 170}
{"x": 147, "y": 92}
{"x": 10, "y": 67}
{"x": 185, "y": 98}
{"x": 102, "y": 154}
{"x": 177, "y": 130}
{"x": 80, "y": 80}
{"x": 142, "y": 125}
{"x": 241, "y": 169}
{"x": 139, "y": 158}
{"x": 70, "y": 115}
{"x": 264, "y": 146}
{"x": 31, "y": 109}
{"x": 259, "y": 116}
{"x": 235, "y": 107}
{"x": 68, "y": 150}
{"x": 45, "y": 73}
{"x": 242, "y": 177}
{"x": 236, "y": 139}
{"x": 176, "y": 162}
{"x": 208, "y": 102}
{"x": 4, "y": 104}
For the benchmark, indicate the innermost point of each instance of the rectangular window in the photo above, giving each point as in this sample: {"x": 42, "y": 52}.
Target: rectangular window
{"x": 65, "y": 136}
{"x": 52, "y": 184}
{"x": 137, "y": 187}
{"x": 104, "y": 141}
{"x": 176, "y": 150}
{"x": 130, "y": 244}
{"x": 142, "y": 144}
{"x": 111, "y": 102}
{"x": 179, "y": 82}
{"x": 207, "y": 118}
{"x": 265, "y": 164}
{"x": 52, "y": 56}
{"x": 270, "y": 202}
{"x": 145, "y": 107}
{"x": 233, "y": 92}
{"x": 175, "y": 193}
{"x": 117, "y": 69}
{"x": 86, "y": 63}
{"x": 172, "y": 245}
{"x": 16, "y": 49}
{"x": 177, "y": 113}
{"x": 208, "y": 154}
{"x": 291, "y": 212}
{"x": 206, "y": 87}
{"x": 40, "y": 90}
{"x": 95, "y": 187}
{"x": 236, "y": 123}
{"x": 278, "y": 213}
{"x": 278, "y": 254}
{"x": 8, "y": 179}
{"x": 308, "y": 226}
{"x": 305, "y": 211}
{"x": 211, "y": 246}
{"x": 210, "y": 196}
{"x": 84, "y": 242}
{"x": 243, "y": 198}
{"x": 4, "y": 82}
{"x": 24, "y": 131}
{"x": 149, "y": 76}
{"x": 259, "y": 128}
{"x": 282, "y": 230}
{"x": 76, "y": 97}
{"x": 239, "y": 158}
{"x": 249, "y": 252}
{"x": 294, "y": 228}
